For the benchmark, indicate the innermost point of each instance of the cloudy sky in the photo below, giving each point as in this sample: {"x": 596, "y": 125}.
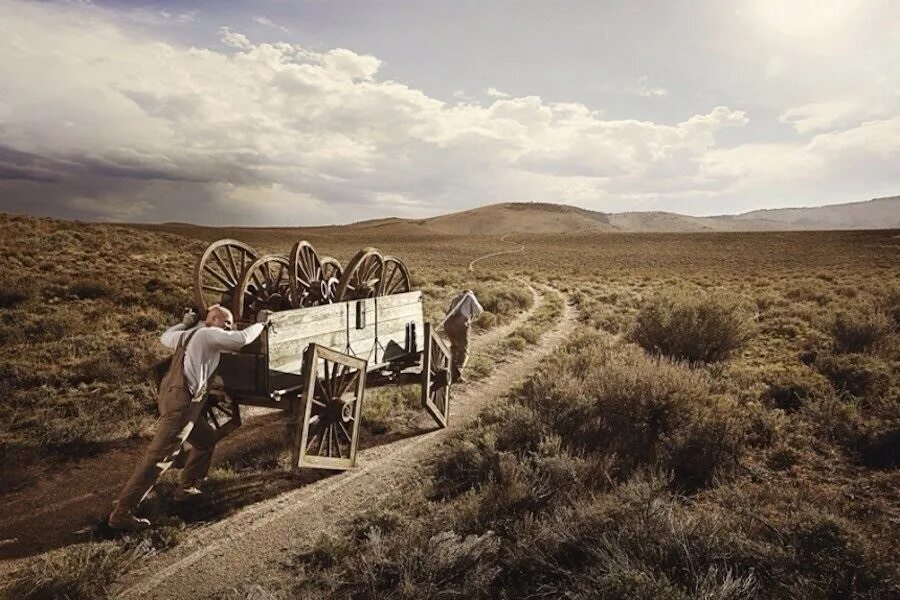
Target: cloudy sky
{"x": 329, "y": 111}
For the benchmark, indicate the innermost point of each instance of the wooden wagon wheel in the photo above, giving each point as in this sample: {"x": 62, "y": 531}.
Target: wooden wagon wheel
{"x": 331, "y": 275}
{"x": 436, "y": 370}
{"x": 308, "y": 284}
{"x": 328, "y": 428}
{"x": 218, "y": 273}
{"x": 361, "y": 277}
{"x": 395, "y": 279}
{"x": 264, "y": 285}
{"x": 222, "y": 413}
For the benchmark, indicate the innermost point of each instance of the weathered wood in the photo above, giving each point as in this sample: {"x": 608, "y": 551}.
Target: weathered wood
{"x": 404, "y": 311}
{"x": 291, "y": 351}
{"x": 328, "y": 433}
{"x": 241, "y": 372}
{"x": 304, "y": 322}
{"x": 400, "y": 299}
{"x": 436, "y": 377}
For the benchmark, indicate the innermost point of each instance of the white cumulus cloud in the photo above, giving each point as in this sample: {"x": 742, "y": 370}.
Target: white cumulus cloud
{"x": 99, "y": 122}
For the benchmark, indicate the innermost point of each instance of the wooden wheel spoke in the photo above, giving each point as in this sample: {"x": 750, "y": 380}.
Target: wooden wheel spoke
{"x": 329, "y": 436}
{"x": 323, "y": 391}
{"x": 337, "y": 442}
{"x": 344, "y": 431}
{"x": 347, "y": 382}
{"x": 223, "y": 266}
{"x": 218, "y": 276}
{"x": 234, "y": 268}
{"x": 213, "y": 288}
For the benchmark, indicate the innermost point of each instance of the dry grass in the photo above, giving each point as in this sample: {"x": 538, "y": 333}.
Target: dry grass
{"x": 765, "y": 468}
{"x": 81, "y": 328}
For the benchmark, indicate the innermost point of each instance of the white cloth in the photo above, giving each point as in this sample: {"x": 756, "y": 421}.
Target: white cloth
{"x": 465, "y": 304}
{"x": 201, "y": 357}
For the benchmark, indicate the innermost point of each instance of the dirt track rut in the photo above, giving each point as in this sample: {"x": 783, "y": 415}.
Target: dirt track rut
{"x": 252, "y": 545}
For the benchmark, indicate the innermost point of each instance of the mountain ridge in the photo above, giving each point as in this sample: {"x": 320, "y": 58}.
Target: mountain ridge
{"x": 542, "y": 217}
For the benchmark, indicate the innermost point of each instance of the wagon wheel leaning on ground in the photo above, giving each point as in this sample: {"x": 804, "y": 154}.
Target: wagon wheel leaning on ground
{"x": 327, "y": 416}
{"x": 265, "y": 285}
{"x": 436, "y": 369}
{"x": 218, "y": 272}
{"x": 362, "y": 276}
{"x": 395, "y": 279}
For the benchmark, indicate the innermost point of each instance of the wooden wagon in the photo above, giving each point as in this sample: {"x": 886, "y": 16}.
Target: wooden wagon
{"x": 334, "y": 332}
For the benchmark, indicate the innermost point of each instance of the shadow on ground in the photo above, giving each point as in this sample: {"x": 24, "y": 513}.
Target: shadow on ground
{"x": 69, "y": 502}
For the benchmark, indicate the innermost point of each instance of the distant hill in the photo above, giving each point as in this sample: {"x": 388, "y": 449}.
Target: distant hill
{"x": 543, "y": 217}
{"x": 512, "y": 217}
{"x": 878, "y": 213}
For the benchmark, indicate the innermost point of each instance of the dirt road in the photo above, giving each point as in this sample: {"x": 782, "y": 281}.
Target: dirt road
{"x": 252, "y": 545}
{"x": 520, "y": 248}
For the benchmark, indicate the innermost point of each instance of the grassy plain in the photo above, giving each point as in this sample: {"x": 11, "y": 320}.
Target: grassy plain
{"x": 724, "y": 424}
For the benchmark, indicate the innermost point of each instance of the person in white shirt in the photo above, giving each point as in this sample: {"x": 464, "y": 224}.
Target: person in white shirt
{"x": 464, "y": 308}
{"x": 180, "y": 399}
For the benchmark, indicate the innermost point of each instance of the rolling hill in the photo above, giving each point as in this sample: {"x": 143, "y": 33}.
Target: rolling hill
{"x": 512, "y": 217}
{"x": 545, "y": 218}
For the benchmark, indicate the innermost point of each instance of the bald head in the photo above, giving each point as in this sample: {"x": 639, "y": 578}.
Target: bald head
{"x": 219, "y": 316}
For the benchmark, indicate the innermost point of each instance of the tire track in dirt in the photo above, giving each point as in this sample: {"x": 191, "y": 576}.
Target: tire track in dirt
{"x": 254, "y": 544}
{"x": 521, "y": 248}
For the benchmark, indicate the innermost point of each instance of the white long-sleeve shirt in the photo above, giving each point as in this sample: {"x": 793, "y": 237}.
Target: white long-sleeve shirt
{"x": 201, "y": 357}
{"x": 465, "y": 304}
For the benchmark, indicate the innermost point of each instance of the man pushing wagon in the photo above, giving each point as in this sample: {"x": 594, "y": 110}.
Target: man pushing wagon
{"x": 464, "y": 308}
{"x": 181, "y": 398}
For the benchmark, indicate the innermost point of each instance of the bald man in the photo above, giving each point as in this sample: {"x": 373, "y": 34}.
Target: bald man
{"x": 180, "y": 399}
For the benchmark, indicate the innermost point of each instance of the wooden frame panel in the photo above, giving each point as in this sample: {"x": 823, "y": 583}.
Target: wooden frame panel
{"x": 437, "y": 367}
{"x": 324, "y": 412}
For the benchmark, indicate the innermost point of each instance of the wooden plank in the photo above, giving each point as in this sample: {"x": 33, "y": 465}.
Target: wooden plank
{"x": 406, "y": 311}
{"x": 312, "y": 314}
{"x": 299, "y": 326}
{"x": 386, "y": 328}
{"x": 400, "y": 299}
{"x": 290, "y": 353}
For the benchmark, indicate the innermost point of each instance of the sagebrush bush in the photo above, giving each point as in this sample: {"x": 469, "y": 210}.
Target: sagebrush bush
{"x": 91, "y": 289}
{"x": 860, "y": 330}
{"x": 644, "y": 411}
{"x": 859, "y": 375}
{"x": 809, "y": 291}
{"x": 14, "y": 292}
{"x": 693, "y": 328}
{"x": 790, "y": 387}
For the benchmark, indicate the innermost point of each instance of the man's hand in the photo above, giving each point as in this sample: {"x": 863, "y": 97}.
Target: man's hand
{"x": 263, "y": 316}
{"x": 189, "y": 319}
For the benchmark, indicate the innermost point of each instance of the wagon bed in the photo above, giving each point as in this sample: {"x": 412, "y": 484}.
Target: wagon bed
{"x": 333, "y": 333}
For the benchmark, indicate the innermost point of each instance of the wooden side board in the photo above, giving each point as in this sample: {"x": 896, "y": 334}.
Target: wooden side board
{"x": 361, "y": 328}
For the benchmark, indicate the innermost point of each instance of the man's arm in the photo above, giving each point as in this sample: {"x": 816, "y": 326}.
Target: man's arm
{"x": 477, "y": 309}
{"x": 170, "y": 336}
{"x": 235, "y": 340}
